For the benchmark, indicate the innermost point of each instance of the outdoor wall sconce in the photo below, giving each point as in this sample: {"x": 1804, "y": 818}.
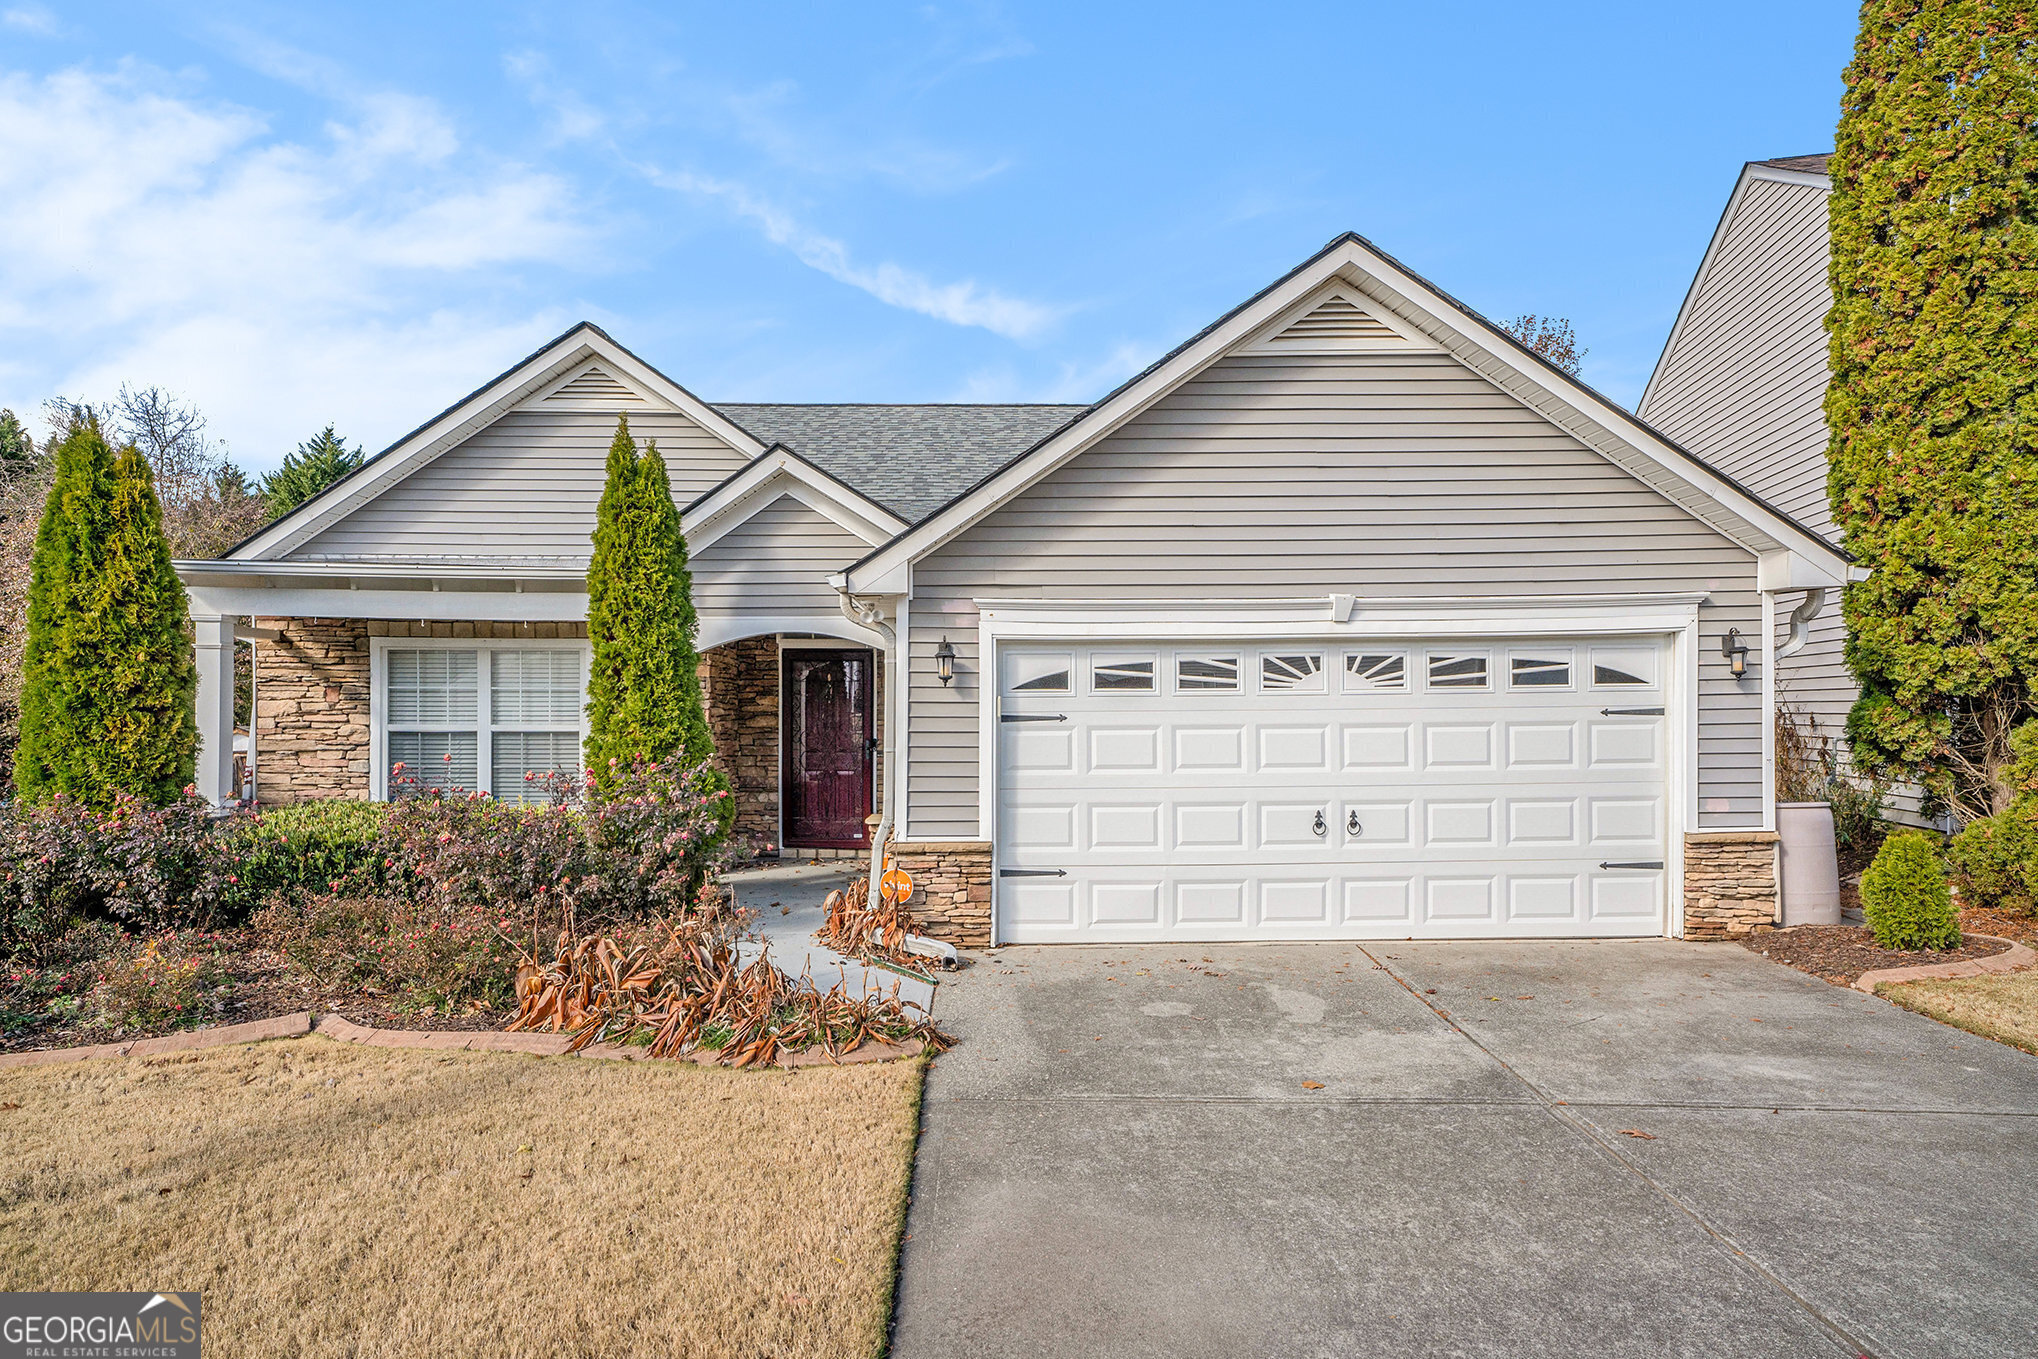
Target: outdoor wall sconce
{"x": 1736, "y": 652}
{"x": 944, "y": 662}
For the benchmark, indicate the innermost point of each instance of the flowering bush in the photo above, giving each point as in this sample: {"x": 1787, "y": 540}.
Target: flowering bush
{"x": 413, "y": 950}
{"x": 56, "y": 990}
{"x": 165, "y": 981}
{"x": 332, "y": 845}
{"x": 595, "y": 854}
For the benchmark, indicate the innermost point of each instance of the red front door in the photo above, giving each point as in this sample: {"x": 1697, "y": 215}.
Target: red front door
{"x": 829, "y": 742}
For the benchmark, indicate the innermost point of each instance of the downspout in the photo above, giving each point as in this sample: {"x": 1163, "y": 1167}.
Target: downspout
{"x": 1801, "y": 622}
{"x": 869, "y": 612}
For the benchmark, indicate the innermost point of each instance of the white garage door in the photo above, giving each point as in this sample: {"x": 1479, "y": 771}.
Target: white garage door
{"x": 1299, "y": 791}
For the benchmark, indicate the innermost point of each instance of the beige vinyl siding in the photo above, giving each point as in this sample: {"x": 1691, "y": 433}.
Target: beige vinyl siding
{"x": 1384, "y": 474}
{"x": 776, "y": 562}
{"x": 1744, "y": 380}
{"x": 524, "y": 488}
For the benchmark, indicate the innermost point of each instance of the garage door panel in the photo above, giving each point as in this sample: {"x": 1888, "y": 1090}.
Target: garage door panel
{"x": 1459, "y": 899}
{"x": 1459, "y": 823}
{"x": 1542, "y": 822}
{"x": 1125, "y": 750}
{"x": 1447, "y": 810}
{"x": 1125, "y": 826}
{"x": 1039, "y": 749}
{"x": 1378, "y": 900}
{"x": 1210, "y": 825}
{"x": 1543, "y": 899}
{"x": 1378, "y": 746}
{"x": 1382, "y": 825}
{"x": 1290, "y": 748}
{"x": 1210, "y": 747}
{"x": 1210, "y": 902}
{"x": 1458, "y": 745}
{"x": 1294, "y": 901}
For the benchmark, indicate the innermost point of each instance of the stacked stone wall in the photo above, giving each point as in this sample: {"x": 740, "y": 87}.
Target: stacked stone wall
{"x": 1729, "y": 883}
{"x": 951, "y": 888}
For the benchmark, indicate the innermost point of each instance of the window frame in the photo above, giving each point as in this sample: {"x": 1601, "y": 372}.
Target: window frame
{"x": 1430, "y": 655}
{"x": 1567, "y": 656}
{"x": 485, "y": 723}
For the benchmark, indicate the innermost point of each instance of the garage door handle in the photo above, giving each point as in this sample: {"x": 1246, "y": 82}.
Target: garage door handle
{"x": 1352, "y": 824}
{"x": 1630, "y": 712}
{"x": 1648, "y": 863}
{"x": 1033, "y": 717}
{"x": 1033, "y": 872}
{"x": 1321, "y": 826}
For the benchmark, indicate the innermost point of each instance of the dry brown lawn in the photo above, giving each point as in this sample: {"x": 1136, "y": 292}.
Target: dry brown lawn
{"x": 338, "y": 1200}
{"x": 2003, "y": 1006}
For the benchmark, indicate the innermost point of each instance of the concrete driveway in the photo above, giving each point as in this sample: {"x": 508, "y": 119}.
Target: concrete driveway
{"x": 1123, "y": 1158}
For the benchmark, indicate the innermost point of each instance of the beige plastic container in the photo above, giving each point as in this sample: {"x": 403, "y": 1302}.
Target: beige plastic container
{"x": 1811, "y": 863}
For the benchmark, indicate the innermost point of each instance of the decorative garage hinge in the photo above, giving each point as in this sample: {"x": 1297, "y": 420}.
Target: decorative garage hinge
{"x": 1033, "y": 872}
{"x": 1033, "y": 717}
{"x": 1645, "y": 863}
{"x": 1630, "y": 712}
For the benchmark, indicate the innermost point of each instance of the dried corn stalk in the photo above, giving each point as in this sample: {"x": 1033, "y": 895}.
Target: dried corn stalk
{"x": 682, "y": 988}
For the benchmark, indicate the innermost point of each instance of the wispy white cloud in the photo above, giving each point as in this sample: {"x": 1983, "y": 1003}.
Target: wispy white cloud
{"x": 573, "y": 119}
{"x": 965, "y": 303}
{"x": 1081, "y": 381}
{"x": 37, "y": 19}
{"x": 153, "y": 237}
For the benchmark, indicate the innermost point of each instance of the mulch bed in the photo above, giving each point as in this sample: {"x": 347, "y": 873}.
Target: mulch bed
{"x": 1841, "y": 953}
{"x": 259, "y": 988}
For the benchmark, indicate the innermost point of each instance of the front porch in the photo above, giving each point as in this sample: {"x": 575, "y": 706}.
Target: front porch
{"x": 798, "y": 719}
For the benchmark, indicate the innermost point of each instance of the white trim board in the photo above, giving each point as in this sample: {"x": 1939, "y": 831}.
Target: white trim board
{"x": 776, "y": 472}
{"x": 1389, "y": 289}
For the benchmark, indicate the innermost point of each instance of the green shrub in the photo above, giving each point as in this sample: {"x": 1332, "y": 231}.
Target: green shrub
{"x": 327, "y": 846}
{"x": 1904, "y": 896}
{"x": 1995, "y": 860}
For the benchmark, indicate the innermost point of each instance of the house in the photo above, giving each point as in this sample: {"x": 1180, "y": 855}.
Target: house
{"x": 1349, "y": 618}
{"x": 1742, "y": 383}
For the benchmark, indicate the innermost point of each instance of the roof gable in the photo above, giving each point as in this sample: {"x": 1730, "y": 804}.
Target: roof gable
{"x": 1383, "y": 287}
{"x": 603, "y": 377}
{"x": 780, "y": 472}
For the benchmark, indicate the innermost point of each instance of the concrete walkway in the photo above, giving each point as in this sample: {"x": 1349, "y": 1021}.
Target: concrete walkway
{"x": 788, "y": 905}
{"x": 1126, "y": 1157}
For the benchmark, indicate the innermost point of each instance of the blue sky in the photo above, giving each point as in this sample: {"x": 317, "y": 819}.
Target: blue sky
{"x": 295, "y": 214}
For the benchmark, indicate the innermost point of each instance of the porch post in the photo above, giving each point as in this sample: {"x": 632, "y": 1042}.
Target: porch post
{"x": 216, "y": 709}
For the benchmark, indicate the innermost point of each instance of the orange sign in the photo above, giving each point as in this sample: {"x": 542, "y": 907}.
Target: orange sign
{"x": 896, "y": 885}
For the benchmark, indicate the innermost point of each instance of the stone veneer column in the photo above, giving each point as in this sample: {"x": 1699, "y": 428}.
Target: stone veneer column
{"x": 739, "y": 682}
{"x": 951, "y": 888}
{"x": 311, "y": 710}
{"x": 1729, "y": 883}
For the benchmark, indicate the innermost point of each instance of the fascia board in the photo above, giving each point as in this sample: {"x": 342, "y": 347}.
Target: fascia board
{"x": 474, "y": 414}
{"x": 781, "y": 472}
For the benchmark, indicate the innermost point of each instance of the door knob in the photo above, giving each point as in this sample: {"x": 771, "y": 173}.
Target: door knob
{"x": 1320, "y": 827}
{"x": 1352, "y": 824}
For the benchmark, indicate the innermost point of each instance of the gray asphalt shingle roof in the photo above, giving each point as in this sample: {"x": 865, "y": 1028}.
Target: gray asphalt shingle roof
{"x": 1815, "y": 165}
{"x": 910, "y": 459}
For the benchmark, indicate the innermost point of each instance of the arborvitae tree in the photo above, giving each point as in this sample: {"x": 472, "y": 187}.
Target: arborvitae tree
{"x": 644, "y": 692}
{"x": 108, "y": 676}
{"x": 318, "y": 462}
{"x": 146, "y": 675}
{"x": 1933, "y": 403}
{"x": 17, "y": 449}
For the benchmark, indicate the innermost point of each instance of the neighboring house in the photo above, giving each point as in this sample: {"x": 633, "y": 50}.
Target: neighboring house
{"x": 1349, "y": 618}
{"x": 1742, "y": 383}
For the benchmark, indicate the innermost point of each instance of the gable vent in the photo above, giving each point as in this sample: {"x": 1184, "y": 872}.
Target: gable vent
{"x": 596, "y": 384}
{"x": 1335, "y": 324}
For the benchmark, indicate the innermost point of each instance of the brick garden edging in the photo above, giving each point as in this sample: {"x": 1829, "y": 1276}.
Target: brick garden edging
{"x": 2014, "y": 959}
{"x": 254, "y": 1031}
{"x": 343, "y": 1030}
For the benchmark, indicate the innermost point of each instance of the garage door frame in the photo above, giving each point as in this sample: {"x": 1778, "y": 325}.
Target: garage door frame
{"x": 1336, "y": 619}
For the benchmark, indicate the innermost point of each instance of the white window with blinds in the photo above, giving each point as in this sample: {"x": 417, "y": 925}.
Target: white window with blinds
{"x": 496, "y": 717}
